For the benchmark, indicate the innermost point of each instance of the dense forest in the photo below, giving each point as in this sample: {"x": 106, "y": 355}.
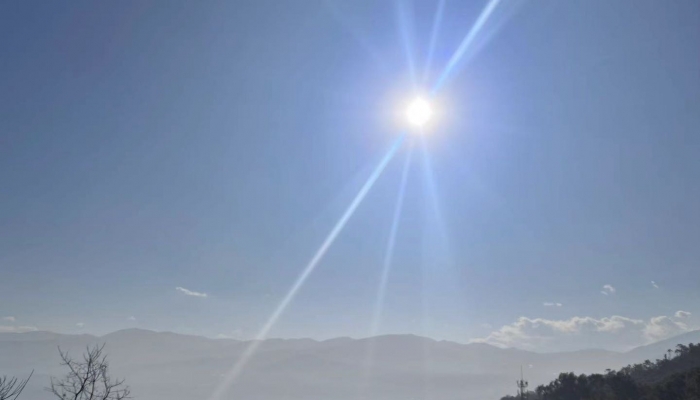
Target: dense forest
{"x": 676, "y": 376}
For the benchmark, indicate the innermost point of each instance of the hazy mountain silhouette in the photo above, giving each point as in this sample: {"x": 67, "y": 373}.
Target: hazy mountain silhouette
{"x": 657, "y": 349}
{"x": 164, "y": 365}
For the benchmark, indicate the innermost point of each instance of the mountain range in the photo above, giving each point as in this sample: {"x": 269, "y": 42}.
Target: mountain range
{"x": 164, "y": 365}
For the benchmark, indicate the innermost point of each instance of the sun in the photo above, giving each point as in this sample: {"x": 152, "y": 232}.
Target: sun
{"x": 419, "y": 112}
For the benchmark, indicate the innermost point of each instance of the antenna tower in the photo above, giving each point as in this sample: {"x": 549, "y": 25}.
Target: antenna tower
{"x": 522, "y": 385}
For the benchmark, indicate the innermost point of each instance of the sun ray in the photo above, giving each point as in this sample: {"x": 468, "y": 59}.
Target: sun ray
{"x": 389, "y": 254}
{"x": 466, "y": 42}
{"x": 249, "y": 352}
{"x": 386, "y": 269}
{"x": 431, "y": 189}
{"x": 405, "y": 22}
{"x": 437, "y": 21}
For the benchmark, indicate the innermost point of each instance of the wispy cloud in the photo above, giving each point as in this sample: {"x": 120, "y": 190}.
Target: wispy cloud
{"x": 654, "y": 285}
{"x": 608, "y": 290}
{"x": 190, "y": 292}
{"x": 615, "y": 332}
{"x": 80, "y": 324}
{"x": 131, "y": 318}
{"x": 235, "y": 334}
{"x": 549, "y": 304}
{"x": 17, "y": 329}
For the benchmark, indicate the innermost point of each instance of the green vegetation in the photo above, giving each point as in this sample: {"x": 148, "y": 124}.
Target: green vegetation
{"x": 675, "y": 377}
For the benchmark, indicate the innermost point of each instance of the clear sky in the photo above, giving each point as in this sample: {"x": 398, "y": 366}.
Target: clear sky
{"x": 212, "y": 145}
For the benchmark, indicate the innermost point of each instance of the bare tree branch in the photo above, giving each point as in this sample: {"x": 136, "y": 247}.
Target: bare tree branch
{"x": 88, "y": 379}
{"x": 11, "y": 388}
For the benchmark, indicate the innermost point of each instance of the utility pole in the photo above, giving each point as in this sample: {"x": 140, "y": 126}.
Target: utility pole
{"x": 522, "y": 385}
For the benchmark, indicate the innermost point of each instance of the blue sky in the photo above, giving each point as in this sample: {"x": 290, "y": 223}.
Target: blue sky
{"x": 213, "y": 145}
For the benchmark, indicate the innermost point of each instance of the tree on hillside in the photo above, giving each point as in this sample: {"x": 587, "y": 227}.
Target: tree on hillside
{"x": 11, "y": 387}
{"x": 670, "y": 378}
{"x": 88, "y": 378}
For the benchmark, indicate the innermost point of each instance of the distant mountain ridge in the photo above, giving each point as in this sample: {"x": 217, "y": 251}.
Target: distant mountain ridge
{"x": 166, "y": 365}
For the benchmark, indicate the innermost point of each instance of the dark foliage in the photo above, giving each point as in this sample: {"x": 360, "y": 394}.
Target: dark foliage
{"x": 674, "y": 377}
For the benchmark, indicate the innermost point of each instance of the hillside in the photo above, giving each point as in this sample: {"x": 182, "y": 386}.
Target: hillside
{"x": 675, "y": 376}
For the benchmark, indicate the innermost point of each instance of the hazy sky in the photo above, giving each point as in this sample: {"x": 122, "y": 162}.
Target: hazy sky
{"x": 212, "y": 145}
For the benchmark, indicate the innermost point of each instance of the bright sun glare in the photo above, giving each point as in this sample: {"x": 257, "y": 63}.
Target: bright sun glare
{"x": 419, "y": 112}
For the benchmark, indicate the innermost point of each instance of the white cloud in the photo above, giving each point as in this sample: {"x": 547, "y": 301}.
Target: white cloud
{"x": 615, "y": 332}
{"x": 682, "y": 314}
{"x": 549, "y": 304}
{"x": 607, "y": 290}
{"x": 191, "y": 292}
{"x": 663, "y": 327}
{"x": 131, "y": 318}
{"x": 17, "y": 329}
{"x": 235, "y": 334}
{"x": 654, "y": 285}
{"x": 11, "y": 319}
{"x": 80, "y": 324}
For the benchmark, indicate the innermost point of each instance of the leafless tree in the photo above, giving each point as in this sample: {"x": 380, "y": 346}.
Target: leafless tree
{"x": 88, "y": 379}
{"x": 11, "y": 387}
